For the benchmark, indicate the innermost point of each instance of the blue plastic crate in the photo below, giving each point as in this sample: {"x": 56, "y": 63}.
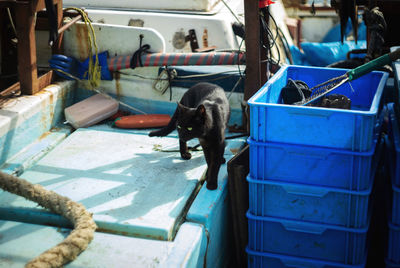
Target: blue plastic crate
{"x": 390, "y": 264}
{"x": 393, "y": 251}
{"x": 396, "y": 71}
{"x": 395, "y": 206}
{"x": 311, "y": 165}
{"x": 261, "y": 259}
{"x": 272, "y": 121}
{"x": 393, "y": 161}
{"x": 309, "y": 203}
{"x": 307, "y": 240}
{"x": 394, "y": 150}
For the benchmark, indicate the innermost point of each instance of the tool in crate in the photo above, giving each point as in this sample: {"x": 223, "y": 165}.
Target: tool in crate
{"x": 324, "y": 88}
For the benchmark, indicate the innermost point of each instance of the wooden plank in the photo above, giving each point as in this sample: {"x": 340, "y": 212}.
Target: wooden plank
{"x": 238, "y": 168}
{"x": 45, "y": 79}
{"x": 57, "y": 46}
{"x": 36, "y": 5}
{"x": 27, "y": 68}
{"x": 252, "y": 29}
{"x": 10, "y": 90}
{"x": 43, "y": 82}
{"x": 263, "y": 51}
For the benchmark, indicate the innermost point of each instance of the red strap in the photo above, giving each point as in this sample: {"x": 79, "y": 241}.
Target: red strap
{"x": 264, "y": 3}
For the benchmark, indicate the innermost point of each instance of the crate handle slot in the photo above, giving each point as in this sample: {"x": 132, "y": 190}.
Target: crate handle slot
{"x": 309, "y": 155}
{"x": 303, "y": 228}
{"x": 305, "y": 191}
{"x": 322, "y": 114}
{"x": 300, "y": 264}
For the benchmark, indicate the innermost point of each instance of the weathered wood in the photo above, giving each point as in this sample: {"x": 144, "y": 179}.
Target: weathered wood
{"x": 57, "y": 46}
{"x": 264, "y": 51}
{"x": 27, "y": 59}
{"x": 238, "y": 168}
{"x": 27, "y": 68}
{"x": 36, "y": 5}
{"x": 43, "y": 81}
{"x": 10, "y": 90}
{"x": 252, "y": 38}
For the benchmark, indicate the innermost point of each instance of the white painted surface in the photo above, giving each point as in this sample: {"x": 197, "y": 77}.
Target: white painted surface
{"x": 198, "y": 5}
{"x": 17, "y": 110}
{"x": 130, "y": 85}
{"x": 216, "y": 27}
{"x": 117, "y": 40}
{"x": 315, "y": 28}
{"x": 279, "y": 13}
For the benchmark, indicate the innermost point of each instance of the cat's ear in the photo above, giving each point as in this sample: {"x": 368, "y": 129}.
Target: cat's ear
{"x": 201, "y": 110}
{"x": 180, "y": 106}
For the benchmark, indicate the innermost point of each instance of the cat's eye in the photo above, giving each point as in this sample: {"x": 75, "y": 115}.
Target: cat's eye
{"x": 178, "y": 127}
{"x": 189, "y": 128}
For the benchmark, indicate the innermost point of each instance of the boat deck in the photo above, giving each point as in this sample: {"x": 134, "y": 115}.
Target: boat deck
{"x": 20, "y": 242}
{"x": 141, "y": 193}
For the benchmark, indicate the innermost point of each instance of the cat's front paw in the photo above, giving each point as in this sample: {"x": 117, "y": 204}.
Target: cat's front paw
{"x": 153, "y": 133}
{"x": 212, "y": 186}
{"x": 186, "y": 155}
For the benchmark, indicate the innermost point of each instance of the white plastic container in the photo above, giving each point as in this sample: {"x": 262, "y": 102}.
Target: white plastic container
{"x": 91, "y": 111}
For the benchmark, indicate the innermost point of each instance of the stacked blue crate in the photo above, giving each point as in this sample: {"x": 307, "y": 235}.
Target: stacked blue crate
{"x": 393, "y": 246}
{"x": 310, "y": 175}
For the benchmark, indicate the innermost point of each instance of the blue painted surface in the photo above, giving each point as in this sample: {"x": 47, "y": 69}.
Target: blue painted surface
{"x": 34, "y": 125}
{"x": 211, "y": 209}
{"x": 101, "y": 185}
{"x": 21, "y": 242}
{"x": 121, "y": 177}
{"x": 19, "y": 137}
{"x": 33, "y": 152}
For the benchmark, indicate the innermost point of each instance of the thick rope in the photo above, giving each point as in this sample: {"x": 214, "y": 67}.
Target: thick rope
{"x": 84, "y": 226}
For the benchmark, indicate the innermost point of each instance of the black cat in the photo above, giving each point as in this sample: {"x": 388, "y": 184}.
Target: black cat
{"x": 203, "y": 113}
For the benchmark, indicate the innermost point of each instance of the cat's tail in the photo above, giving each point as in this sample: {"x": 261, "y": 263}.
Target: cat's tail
{"x": 167, "y": 129}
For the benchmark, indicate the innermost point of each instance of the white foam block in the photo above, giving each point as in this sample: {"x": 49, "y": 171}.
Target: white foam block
{"x": 91, "y": 111}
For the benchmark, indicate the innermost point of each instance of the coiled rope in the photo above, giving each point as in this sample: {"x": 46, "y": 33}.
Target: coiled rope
{"x": 84, "y": 225}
